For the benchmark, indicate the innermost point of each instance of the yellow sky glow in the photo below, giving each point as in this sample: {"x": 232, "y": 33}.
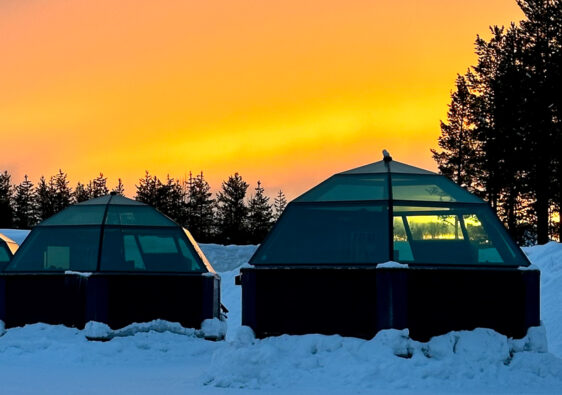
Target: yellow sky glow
{"x": 288, "y": 92}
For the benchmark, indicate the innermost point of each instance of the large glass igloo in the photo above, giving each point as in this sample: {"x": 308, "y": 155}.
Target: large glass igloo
{"x": 388, "y": 245}
{"x": 112, "y": 260}
{"x": 389, "y": 212}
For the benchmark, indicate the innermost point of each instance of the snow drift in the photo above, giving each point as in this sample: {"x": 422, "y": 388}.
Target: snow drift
{"x": 162, "y": 357}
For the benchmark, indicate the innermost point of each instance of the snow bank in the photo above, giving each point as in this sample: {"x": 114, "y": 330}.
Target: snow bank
{"x": 548, "y": 258}
{"x": 163, "y": 357}
{"x": 477, "y": 361}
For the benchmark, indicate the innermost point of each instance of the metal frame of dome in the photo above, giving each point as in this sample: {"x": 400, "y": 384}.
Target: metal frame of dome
{"x": 46, "y": 281}
{"x": 288, "y": 292}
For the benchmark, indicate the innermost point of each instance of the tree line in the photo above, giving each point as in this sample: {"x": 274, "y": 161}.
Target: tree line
{"x": 230, "y": 217}
{"x": 503, "y": 135}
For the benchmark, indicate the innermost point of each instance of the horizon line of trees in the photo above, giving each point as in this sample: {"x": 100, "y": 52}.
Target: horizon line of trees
{"x": 231, "y": 217}
{"x": 502, "y": 139}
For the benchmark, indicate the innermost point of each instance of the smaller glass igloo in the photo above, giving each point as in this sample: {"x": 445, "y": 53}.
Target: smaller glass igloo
{"x": 113, "y": 260}
{"x": 110, "y": 234}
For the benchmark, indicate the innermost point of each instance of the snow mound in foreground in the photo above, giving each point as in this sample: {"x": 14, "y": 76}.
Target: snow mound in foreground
{"x": 548, "y": 258}
{"x": 477, "y": 359}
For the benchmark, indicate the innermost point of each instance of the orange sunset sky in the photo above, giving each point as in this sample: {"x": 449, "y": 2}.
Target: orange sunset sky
{"x": 288, "y": 92}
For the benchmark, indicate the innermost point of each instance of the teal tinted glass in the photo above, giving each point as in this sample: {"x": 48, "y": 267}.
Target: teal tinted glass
{"x": 148, "y": 250}
{"x": 5, "y": 254}
{"x": 57, "y": 249}
{"x": 348, "y": 188}
{"x": 456, "y": 235}
{"x": 429, "y": 188}
{"x": 136, "y": 216}
{"x": 334, "y": 233}
{"x": 77, "y": 215}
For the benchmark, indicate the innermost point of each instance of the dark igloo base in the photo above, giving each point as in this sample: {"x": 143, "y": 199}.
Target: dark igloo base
{"x": 359, "y": 302}
{"x": 115, "y": 299}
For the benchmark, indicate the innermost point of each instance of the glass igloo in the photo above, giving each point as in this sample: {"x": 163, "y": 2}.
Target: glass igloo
{"x": 110, "y": 234}
{"x": 112, "y": 260}
{"x": 388, "y": 245}
{"x": 388, "y": 211}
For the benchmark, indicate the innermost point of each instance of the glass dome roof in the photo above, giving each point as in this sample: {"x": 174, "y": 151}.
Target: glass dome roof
{"x": 109, "y": 234}
{"x": 388, "y": 211}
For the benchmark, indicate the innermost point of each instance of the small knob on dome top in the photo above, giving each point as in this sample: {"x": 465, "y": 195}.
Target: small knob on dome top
{"x": 386, "y": 156}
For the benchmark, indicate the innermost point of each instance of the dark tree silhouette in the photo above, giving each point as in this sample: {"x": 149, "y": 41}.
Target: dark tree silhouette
{"x": 45, "y": 198}
{"x": 458, "y": 159}
{"x": 232, "y": 212}
{"x": 200, "y": 215}
{"x": 98, "y": 187}
{"x": 119, "y": 188}
{"x": 516, "y": 118}
{"x": 279, "y": 205}
{"x": 260, "y": 216}
{"x": 25, "y": 205}
{"x": 6, "y": 209}
{"x": 81, "y": 193}
{"x": 62, "y": 193}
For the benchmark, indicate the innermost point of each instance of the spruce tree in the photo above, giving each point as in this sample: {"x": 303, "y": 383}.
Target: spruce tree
{"x": 147, "y": 190}
{"x": 170, "y": 201}
{"x": 62, "y": 193}
{"x": 45, "y": 198}
{"x": 25, "y": 205}
{"x": 6, "y": 209}
{"x": 81, "y": 193}
{"x": 458, "y": 159}
{"x": 119, "y": 188}
{"x": 542, "y": 57}
{"x": 260, "y": 216}
{"x": 200, "y": 214}
{"x": 279, "y": 205}
{"x": 232, "y": 211}
{"x": 98, "y": 187}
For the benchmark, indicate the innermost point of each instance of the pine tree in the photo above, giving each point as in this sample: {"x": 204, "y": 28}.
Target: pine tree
{"x": 458, "y": 159}
{"x": 98, "y": 187}
{"x": 200, "y": 214}
{"x": 6, "y": 209}
{"x": 62, "y": 193}
{"x": 45, "y": 198}
{"x": 119, "y": 188}
{"x": 25, "y": 205}
{"x": 231, "y": 211}
{"x": 81, "y": 193}
{"x": 147, "y": 190}
{"x": 260, "y": 216}
{"x": 279, "y": 205}
{"x": 170, "y": 201}
{"x": 542, "y": 57}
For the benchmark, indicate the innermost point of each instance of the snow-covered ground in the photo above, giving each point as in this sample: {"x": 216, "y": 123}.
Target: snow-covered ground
{"x": 164, "y": 358}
